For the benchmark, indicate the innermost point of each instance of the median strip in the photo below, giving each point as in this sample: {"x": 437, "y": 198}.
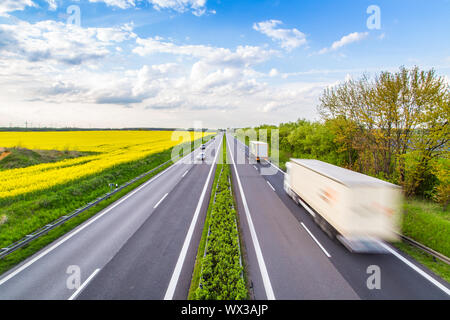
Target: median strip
{"x": 219, "y": 273}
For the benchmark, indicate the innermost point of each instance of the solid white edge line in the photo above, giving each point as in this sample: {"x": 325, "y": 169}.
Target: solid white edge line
{"x": 162, "y": 199}
{"x": 185, "y": 173}
{"x": 179, "y": 265}
{"x": 270, "y": 185}
{"x": 85, "y": 225}
{"x": 417, "y": 269}
{"x": 318, "y": 243}
{"x": 262, "y": 265}
{"x": 76, "y": 293}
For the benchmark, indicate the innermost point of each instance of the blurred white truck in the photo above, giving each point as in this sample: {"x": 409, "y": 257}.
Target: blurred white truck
{"x": 259, "y": 150}
{"x": 359, "y": 210}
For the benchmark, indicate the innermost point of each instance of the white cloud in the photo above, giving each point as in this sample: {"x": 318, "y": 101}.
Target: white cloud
{"x": 52, "y": 4}
{"x": 14, "y": 5}
{"x": 273, "y": 72}
{"x": 122, "y": 4}
{"x": 345, "y": 40}
{"x": 59, "y": 42}
{"x": 197, "y": 7}
{"x": 243, "y": 55}
{"x": 288, "y": 38}
{"x": 51, "y": 72}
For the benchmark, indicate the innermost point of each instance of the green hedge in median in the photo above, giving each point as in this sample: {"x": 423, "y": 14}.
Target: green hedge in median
{"x": 221, "y": 276}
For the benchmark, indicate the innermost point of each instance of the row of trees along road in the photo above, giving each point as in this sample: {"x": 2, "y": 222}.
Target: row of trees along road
{"x": 394, "y": 126}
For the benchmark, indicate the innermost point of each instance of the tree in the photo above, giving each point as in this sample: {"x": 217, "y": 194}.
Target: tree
{"x": 394, "y": 118}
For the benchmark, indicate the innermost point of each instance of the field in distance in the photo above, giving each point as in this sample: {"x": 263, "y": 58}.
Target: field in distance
{"x": 45, "y": 175}
{"x": 105, "y": 148}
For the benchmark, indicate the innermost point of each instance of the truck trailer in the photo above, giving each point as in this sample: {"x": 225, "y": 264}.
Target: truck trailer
{"x": 259, "y": 150}
{"x": 359, "y": 210}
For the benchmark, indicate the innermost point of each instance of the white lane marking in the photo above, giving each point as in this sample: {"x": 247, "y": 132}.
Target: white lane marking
{"x": 307, "y": 208}
{"x": 185, "y": 173}
{"x": 417, "y": 269}
{"x": 159, "y": 202}
{"x": 76, "y": 293}
{"x": 270, "y": 185}
{"x": 255, "y": 168}
{"x": 177, "y": 271}
{"x": 83, "y": 226}
{"x": 318, "y": 243}
{"x": 259, "y": 256}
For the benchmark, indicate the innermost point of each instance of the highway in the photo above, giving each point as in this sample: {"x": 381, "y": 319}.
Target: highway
{"x": 290, "y": 257}
{"x": 131, "y": 249}
{"x": 143, "y": 246}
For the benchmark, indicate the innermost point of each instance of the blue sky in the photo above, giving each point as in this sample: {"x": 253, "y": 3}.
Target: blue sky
{"x": 169, "y": 63}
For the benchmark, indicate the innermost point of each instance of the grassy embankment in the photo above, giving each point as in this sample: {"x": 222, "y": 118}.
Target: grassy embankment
{"x": 423, "y": 221}
{"x": 12, "y": 158}
{"x": 23, "y": 214}
{"x": 426, "y": 222}
{"x": 218, "y": 273}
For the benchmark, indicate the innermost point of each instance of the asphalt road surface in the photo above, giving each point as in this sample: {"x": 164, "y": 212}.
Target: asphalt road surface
{"x": 129, "y": 250}
{"x": 143, "y": 246}
{"x": 300, "y": 260}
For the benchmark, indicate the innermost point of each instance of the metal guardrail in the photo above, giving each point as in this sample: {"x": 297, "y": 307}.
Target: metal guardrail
{"x": 44, "y": 230}
{"x": 422, "y": 247}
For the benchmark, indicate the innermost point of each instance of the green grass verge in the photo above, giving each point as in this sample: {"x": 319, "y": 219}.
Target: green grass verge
{"x": 438, "y": 267}
{"x": 16, "y": 257}
{"x": 21, "y": 254}
{"x": 426, "y": 222}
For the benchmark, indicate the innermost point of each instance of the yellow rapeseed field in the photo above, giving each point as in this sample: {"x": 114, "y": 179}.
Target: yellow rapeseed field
{"x": 112, "y": 148}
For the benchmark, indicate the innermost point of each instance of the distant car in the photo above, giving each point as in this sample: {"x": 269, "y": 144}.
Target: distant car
{"x": 201, "y": 156}
{"x": 203, "y": 147}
